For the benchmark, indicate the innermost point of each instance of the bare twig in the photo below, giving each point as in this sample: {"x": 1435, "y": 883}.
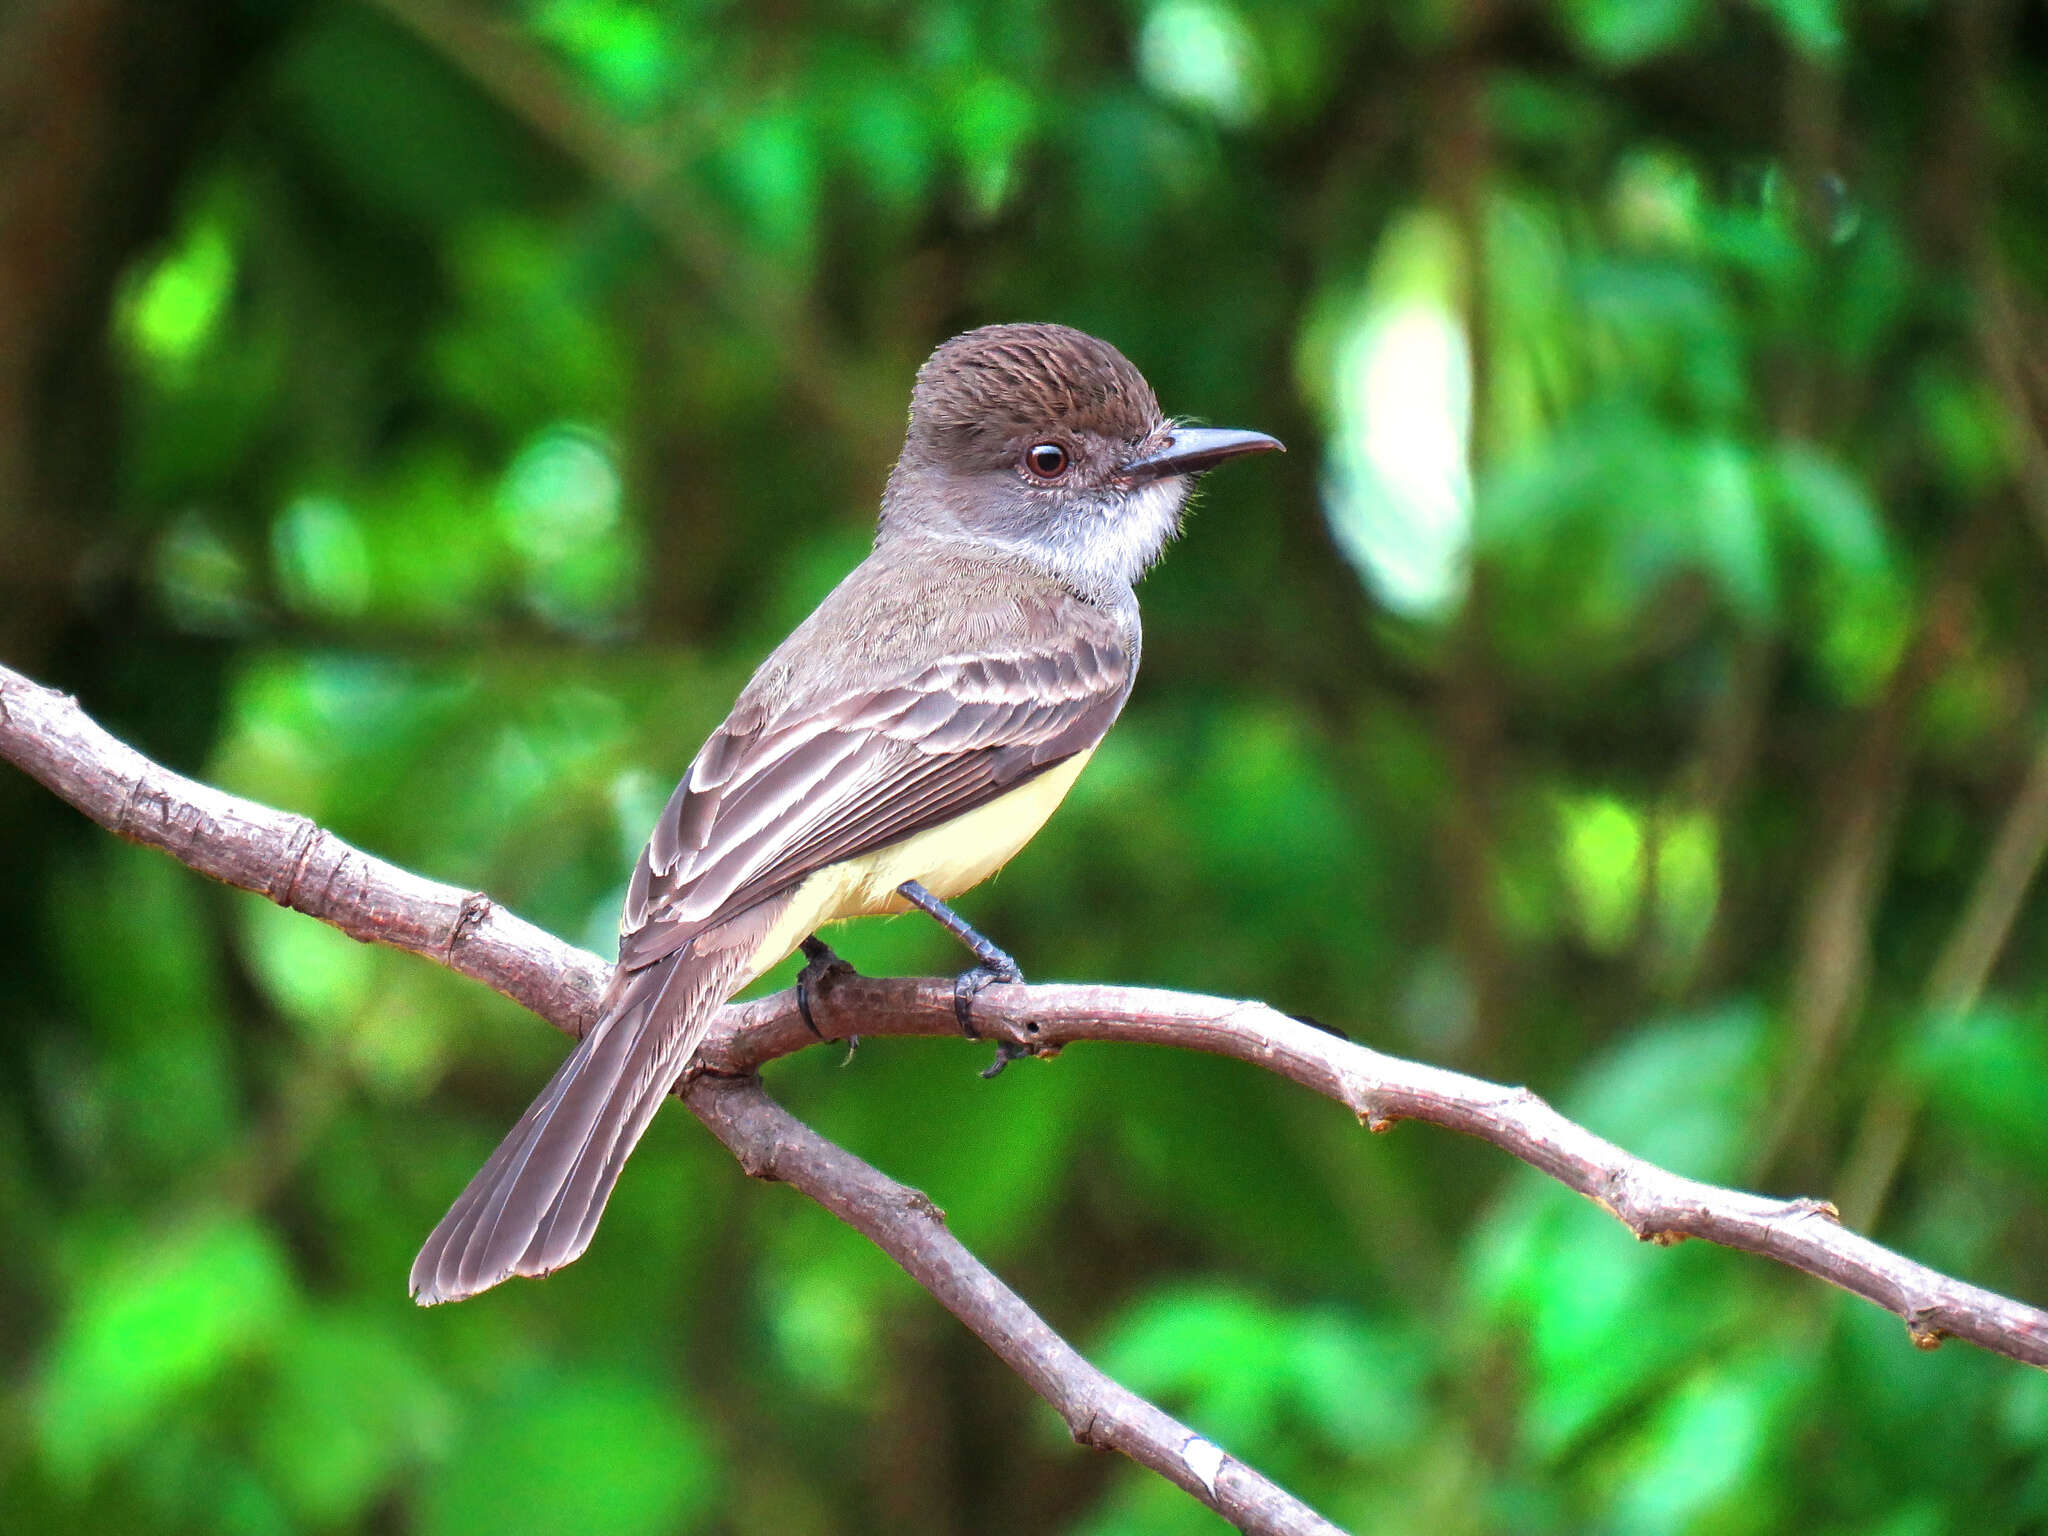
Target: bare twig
{"x": 288, "y": 859}
{"x": 771, "y": 1143}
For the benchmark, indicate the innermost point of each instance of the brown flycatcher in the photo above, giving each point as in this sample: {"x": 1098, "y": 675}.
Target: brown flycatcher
{"x": 898, "y": 748}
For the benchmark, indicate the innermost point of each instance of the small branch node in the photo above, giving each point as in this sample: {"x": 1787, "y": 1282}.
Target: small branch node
{"x": 1614, "y": 1193}
{"x": 1646, "y": 1218}
{"x": 329, "y": 885}
{"x": 1922, "y": 1326}
{"x": 138, "y": 793}
{"x": 284, "y": 885}
{"x": 1805, "y": 1206}
{"x": 1084, "y": 1425}
{"x": 476, "y": 908}
{"x": 761, "y": 1166}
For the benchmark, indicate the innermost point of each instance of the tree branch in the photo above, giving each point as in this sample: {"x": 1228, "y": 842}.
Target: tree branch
{"x": 299, "y": 865}
{"x": 771, "y": 1143}
{"x": 295, "y": 863}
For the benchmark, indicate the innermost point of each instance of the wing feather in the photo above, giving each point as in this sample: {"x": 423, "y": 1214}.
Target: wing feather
{"x": 861, "y": 772}
{"x": 770, "y": 799}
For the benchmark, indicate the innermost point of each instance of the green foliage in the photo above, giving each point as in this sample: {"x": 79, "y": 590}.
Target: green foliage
{"x": 649, "y": 1473}
{"x": 1641, "y": 638}
{"x": 1679, "y": 1094}
{"x": 1251, "y": 1373}
{"x": 148, "y": 1328}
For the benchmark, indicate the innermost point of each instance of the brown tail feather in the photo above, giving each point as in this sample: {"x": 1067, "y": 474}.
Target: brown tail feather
{"x": 534, "y": 1205}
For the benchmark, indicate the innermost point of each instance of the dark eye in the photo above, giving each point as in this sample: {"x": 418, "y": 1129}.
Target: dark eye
{"x": 1048, "y": 461}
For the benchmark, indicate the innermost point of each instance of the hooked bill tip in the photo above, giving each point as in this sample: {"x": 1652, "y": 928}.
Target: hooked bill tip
{"x": 1190, "y": 450}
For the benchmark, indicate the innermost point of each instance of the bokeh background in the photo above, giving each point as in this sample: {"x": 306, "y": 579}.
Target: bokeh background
{"x": 424, "y": 414}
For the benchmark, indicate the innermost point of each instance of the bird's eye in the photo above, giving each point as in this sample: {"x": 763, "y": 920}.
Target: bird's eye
{"x": 1048, "y": 461}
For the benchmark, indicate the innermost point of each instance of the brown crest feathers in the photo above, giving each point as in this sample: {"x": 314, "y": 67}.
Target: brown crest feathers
{"x": 989, "y": 387}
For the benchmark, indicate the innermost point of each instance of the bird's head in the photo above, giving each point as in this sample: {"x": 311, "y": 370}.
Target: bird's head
{"x": 1044, "y": 440}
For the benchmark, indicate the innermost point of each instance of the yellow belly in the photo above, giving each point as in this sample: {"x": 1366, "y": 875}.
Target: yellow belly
{"x": 946, "y": 860}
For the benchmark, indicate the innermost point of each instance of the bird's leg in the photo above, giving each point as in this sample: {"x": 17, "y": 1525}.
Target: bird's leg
{"x": 819, "y": 962}
{"x": 995, "y": 966}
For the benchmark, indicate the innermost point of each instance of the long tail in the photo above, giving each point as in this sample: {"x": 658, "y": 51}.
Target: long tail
{"x": 533, "y": 1207}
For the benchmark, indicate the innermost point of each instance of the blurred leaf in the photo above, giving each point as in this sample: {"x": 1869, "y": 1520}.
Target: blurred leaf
{"x": 580, "y": 1451}
{"x": 1607, "y": 1318}
{"x": 351, "y": 1408}
{"x": 771, "y": 165}
{"x": 1676, "y": 1091}
{"x": 1814, "y": 25}
{"x": 161, "y": 1093}
{"x": 1245, "y": 1369}
{"x": 627, "y": 48}
{"x": 993, "y": 119}
{"x": 1590, "y": 532}
{"x": 319, "y": 977}
{"x": 1201, "y": 53}
{"x": 1966, "y": 428}
{"x": 525, "y": 341}
{"x": 1832, "y": 511}
{"x": 1711, "y": 1448}
{"x": 1601, "y": 847}
{"x": 1624, "y": 32}
{"x": 203, "y": 579}
{"x": 1876, "y": 289}
{"x": 439, "y": 563}
{"x": 147, "y": 1325}
{"x": 1986, "y": 1073}
{"x": 1398, "y": 490}
{"x": 394, "y": 123}
{"x": 559, "y": 508}
{"x": 890, "y": 136}
{"x": 825, "y": 1320}
{"x": 1865, "y": 629}
{"x": 323, "y": 562}
{"x": 1732, "y": 530}
{"x": 169, "y": 314}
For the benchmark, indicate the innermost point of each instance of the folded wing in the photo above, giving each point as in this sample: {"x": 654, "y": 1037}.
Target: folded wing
{"x": 767, "y": 801}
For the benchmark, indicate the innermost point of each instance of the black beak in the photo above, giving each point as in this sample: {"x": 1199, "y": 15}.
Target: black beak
{"x": 1190, "y": 450}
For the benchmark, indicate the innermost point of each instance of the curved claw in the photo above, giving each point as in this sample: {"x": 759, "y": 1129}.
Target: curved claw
{"x": 1006, "y": 1052}
{"x": 966, "y": 987}
{"x": 820, "y": 962}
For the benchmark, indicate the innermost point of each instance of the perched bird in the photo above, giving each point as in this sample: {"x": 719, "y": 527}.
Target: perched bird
{"x": 908, "y": 738}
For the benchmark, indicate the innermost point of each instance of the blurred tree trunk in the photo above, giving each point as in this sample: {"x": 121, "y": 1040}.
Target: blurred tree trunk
{"x": 102, "y": 103}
